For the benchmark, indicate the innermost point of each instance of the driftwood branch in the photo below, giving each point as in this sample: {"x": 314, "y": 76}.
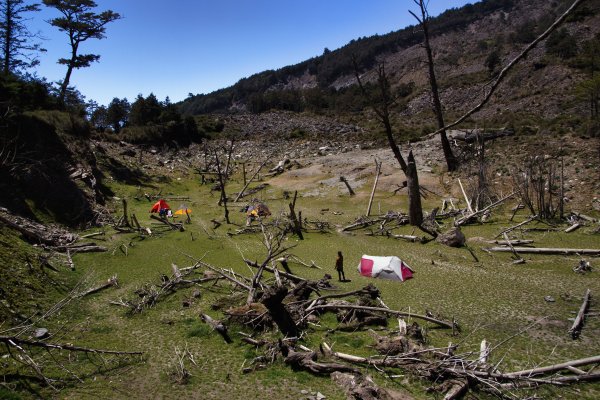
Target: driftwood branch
{"x": 465, "y": 219}
{"x": 217, "y": 326}
{"x": 11, "y": 339}
{"x": 445, "y": 324}
{"x": 575, "y": 330}
{"x": 350, "y": 191}
{"x": 545, "y": 250}
{"x": 177, "y": 226}
{"x": 111, "y": 282}
{"x": 241, "y": 193}
{"x": 528, "y": 220}
{"x": 377, "y": 173}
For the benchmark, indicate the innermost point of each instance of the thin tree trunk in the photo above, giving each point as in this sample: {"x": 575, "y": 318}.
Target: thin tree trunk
{"x": 415, "y": 211}
{"x": 377, "y": 173}
{"x": 7, "y": 37}
{"x": 451, "y": 160}
{"x": 222, "y": 184}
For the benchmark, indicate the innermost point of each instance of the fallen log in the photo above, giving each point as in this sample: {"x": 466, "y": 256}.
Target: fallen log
{"x": 178, "y": 226}
{"x": 350, "y": 191}
{"x": 217, "y": 326}
{"x": 575, "y": 330}
{"x": 518, "y": 258}
{"x": 410, "y": 238}
{"x": 293, "y": 278}
{"x": 458, "y": 388}
{"x": 112, "y": 281}
{"x": 467, "y": 218}
{"x": 37, "y": 232}
{"x": 362, "y": 387}
{"x": 545, "y": 250}
{"x": 307, "y": 361}
{"x": 80, "y": 249}
{"x": 552, "y": 368}
{"x": 11, "y": 340}
{"x": 89, "y": 235}
{"x": 473, "y": 135}
{"x": 573, "y": 227}
{"x": 514, "y": 242}
{"x": 445, "y": 324}
{"x": 528, "y": 220}
{"x": 584, "y": 217}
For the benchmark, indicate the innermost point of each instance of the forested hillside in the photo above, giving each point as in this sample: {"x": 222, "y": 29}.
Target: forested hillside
{"x": 470, "y": 45}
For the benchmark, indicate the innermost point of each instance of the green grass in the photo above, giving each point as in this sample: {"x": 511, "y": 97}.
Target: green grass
{"x": 491, "y": 299}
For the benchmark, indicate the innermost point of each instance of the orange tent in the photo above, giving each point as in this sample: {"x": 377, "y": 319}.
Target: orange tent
{"x": 160, "y": 205}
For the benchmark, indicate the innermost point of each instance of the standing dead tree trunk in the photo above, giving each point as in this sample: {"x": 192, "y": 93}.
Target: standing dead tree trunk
{"x": 343, "y": 179}
{"x": 451, "y": 160}
{"x": 223, "y": 199}
{"x": 294, "y": 218}
{"x": 377, "y": 173}
{"x": 241, "y": 193}
{"x": 381, "y": 107}
{"x": 272, "y": 300}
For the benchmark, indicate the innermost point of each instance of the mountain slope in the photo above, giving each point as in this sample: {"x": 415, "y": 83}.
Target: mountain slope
{"x": 464, "y": 41}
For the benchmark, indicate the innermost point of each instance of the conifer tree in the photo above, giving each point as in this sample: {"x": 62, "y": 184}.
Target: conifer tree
{"x": 80, "y": 23}
{"x": 17, "y": 43}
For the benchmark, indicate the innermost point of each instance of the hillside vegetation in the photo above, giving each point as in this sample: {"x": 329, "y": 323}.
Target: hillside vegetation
{"x": 470, "y": 44}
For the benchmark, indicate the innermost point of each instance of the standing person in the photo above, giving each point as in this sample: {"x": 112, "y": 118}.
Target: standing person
{"x": 339, "y": 266}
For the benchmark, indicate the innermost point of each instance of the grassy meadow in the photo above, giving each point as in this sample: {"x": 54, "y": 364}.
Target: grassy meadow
{"x": 491, "y": 299}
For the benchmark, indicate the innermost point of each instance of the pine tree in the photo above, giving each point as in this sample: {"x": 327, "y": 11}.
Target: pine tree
{"x": 80, "y": 23}
{"x": 16, "y": 41}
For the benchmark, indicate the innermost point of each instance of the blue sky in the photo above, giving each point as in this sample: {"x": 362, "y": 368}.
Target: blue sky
{"x": 173, "y": 48}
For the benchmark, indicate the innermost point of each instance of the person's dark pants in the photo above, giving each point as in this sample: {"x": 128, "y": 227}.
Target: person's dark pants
{"x": 341, "y": 275}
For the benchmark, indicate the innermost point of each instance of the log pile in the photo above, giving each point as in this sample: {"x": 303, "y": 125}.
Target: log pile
{"x": 273, "y": 299}
{"x": 37, "y": 233}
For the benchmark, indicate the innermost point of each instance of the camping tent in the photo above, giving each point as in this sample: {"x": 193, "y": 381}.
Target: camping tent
{"x": 384, "y": 267}
{"x": 258, "y": 210}
{"x": 183, "y": 210}
{"x": 160, "y": 205}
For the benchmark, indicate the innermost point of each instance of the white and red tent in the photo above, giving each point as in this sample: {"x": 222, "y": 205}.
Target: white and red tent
{"x": 384, "y": 267}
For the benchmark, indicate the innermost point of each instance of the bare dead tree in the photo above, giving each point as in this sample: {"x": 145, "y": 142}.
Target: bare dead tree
{"x": 451, "y": 160}
{"x": 222, "y": 179}
{"x": 273, "y": 242}
{"x": 537, "y": 186}
{"x": 381, "y": 106}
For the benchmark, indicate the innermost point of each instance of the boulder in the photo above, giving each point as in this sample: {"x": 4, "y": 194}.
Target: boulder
{"x": 453, "y": 237}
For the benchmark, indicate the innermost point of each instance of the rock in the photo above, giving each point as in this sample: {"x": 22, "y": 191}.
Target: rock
{"x": 320, "y": 396}
{"x": 453, "y": 237}
{"x": 128, "y": 152}
{"x": 549, "y": 299}
{"x": 41, "y": 333}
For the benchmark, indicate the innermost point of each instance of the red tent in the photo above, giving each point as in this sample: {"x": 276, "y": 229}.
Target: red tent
{"x": 384, "y": 267}
{"x": 160, "y": 205}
